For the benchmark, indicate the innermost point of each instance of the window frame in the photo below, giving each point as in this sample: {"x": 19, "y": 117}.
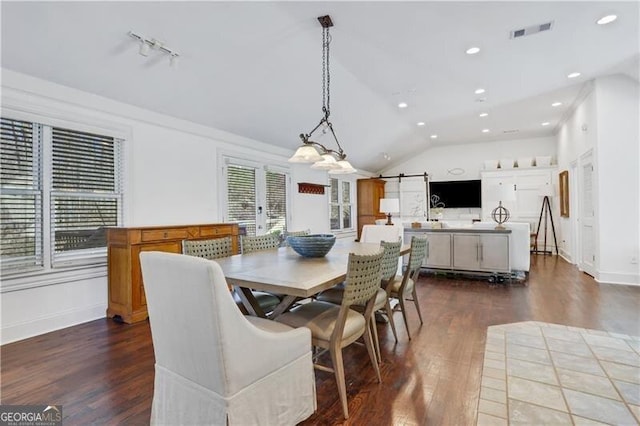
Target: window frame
{"x": 340, "y": 204}
{"x": 81, "y": 267}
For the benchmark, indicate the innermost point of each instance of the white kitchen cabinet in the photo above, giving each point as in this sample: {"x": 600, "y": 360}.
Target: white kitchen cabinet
{"x": 481, "y": 252}
{"x": 465, "y": 250}
{"x": 527, "y": 184}
{"x": 438, "y": 251}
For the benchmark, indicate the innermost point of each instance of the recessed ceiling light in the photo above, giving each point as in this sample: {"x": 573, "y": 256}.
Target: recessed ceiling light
{"x": 485, "y": 130}
{"x": 574, "y": 75}
{"x": 402, "y": 105}
{"x": 483, "y": 114}
{"x": 546, "y": 123}
{"x": 434, "y": 136}
{"x": 474, "y": 50}
{"x": 479, "y": 91}
{"x": 556, "y": 104}
{"x": 420, "y": 123}
{"x": 604, "y": 20}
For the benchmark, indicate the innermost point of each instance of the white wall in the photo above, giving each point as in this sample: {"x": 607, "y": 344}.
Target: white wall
{"x": 575, "y": 137}
{"x": 171, "y": 177}
{"x": 438, "y": 161}
{"x": 618, "y": 179}
{"x": 606, "y": 121}
{"x": 464, "y": 162}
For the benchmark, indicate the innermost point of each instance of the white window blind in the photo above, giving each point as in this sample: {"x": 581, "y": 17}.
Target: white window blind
{"x": 60, "y": 189}
{"x": 241, "y": 197}
{"x": 85, "y": 192}
{"x": 21, "y": 195}
{"x": 276, "y": 202}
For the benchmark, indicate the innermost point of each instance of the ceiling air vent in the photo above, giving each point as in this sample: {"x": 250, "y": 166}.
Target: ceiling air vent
{"x": 511, "y": 131}
{"x": 533, "y": 29}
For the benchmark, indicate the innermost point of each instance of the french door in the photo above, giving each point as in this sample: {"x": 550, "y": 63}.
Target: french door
{"x": 256, "y": 197}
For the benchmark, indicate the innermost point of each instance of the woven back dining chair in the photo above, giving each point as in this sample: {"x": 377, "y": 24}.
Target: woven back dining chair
{"x": 217, "y": 248}
{"x": 259, "y": 242}
{"x": 208, "y": 249}
{"x": 389, "y": 268}
{"x": 334, "y": 327}
{"x": 403, "y": 286}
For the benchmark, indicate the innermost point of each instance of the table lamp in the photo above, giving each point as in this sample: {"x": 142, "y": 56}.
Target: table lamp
{"x": 388, "y": 206}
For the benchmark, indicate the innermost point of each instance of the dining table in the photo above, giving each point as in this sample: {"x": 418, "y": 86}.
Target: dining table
{"x": 283, "y": 271}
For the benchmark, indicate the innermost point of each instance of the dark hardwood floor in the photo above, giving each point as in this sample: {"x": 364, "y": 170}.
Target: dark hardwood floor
{"x": 102, "y": 371}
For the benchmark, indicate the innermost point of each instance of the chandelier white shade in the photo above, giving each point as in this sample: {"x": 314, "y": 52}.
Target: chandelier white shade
{"x": 328, "y": 162}
{"x": 344, "y": 167}
{"x": 306, "y": 154}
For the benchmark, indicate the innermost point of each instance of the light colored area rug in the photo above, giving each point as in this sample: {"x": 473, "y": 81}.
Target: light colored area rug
{"x": 537, "y": 373}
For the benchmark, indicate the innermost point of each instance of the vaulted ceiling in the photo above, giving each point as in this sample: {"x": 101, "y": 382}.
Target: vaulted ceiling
{"x": 254, "y": 68}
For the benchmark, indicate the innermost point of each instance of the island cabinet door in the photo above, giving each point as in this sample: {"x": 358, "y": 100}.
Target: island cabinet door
{"x": 466, "y": 252}
{"x": 494, "y": 253}
{"x": 438, "y": 251}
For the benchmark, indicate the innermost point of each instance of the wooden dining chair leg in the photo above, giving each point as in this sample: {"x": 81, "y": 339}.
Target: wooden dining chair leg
{"x": 415, "y": 301}
{"x": 374, "y": 331}
{"x": 389, "y": 313}
{"x": 368, "y": 340}
{"x": 338, "y": 368}
{"x": 403, "y": 309}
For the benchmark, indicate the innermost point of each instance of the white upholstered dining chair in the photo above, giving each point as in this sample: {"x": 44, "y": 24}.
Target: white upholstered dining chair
{"x": 378, "y": 233}
{"x": 211, "y": 363}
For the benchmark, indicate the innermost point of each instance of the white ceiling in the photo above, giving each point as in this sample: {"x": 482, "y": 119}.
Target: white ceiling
{"x": 253, "y": 68}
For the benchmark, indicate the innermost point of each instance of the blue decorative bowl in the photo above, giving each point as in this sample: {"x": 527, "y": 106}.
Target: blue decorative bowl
{"x": 315, "y": 245}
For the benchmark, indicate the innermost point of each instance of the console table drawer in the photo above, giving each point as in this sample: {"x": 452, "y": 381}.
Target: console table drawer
{"x": 164, "y": 234}
{"x": 214, "y": 231}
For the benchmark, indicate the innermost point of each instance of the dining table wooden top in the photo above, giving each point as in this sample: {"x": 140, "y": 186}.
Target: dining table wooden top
{"x": 284, "y": 271}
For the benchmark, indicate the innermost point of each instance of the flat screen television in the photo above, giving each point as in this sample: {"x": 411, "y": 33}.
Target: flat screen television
{"x": 457, "y": 193}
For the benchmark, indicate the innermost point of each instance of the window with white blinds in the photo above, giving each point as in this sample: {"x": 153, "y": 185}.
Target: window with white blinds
{"x": 21, "y": 195}
{"x": 340, "y": 210}
{"x": 257, "y": 197}
{"x": 276, "y": 202}
{"x": 60, "y": 189}
{"x": 241, "y": 197}
{"x": 85, "y": 193}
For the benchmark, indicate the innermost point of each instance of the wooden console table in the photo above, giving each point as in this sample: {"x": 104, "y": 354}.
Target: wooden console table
{"x": 127, "y": 301}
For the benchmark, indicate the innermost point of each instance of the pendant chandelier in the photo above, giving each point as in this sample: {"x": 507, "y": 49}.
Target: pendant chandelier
{"x": 322, "y": 157}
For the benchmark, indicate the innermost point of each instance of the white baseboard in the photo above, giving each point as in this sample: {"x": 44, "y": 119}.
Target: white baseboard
{"x": 618, "y": 278}
{"x": 19, "y": 331}
{"x": 566, "y": 256}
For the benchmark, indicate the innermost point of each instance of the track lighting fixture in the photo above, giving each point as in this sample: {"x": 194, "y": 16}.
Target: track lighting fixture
{"x": 147, "y": 44}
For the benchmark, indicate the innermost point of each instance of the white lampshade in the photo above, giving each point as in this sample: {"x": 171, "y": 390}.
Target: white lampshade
{"x": 328, "y": 162}
{"x": 546, "y": 190}
{"x": 389, "y": 205}
{"x": 344, "y": 167}
{"x": 306, "y": 154}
